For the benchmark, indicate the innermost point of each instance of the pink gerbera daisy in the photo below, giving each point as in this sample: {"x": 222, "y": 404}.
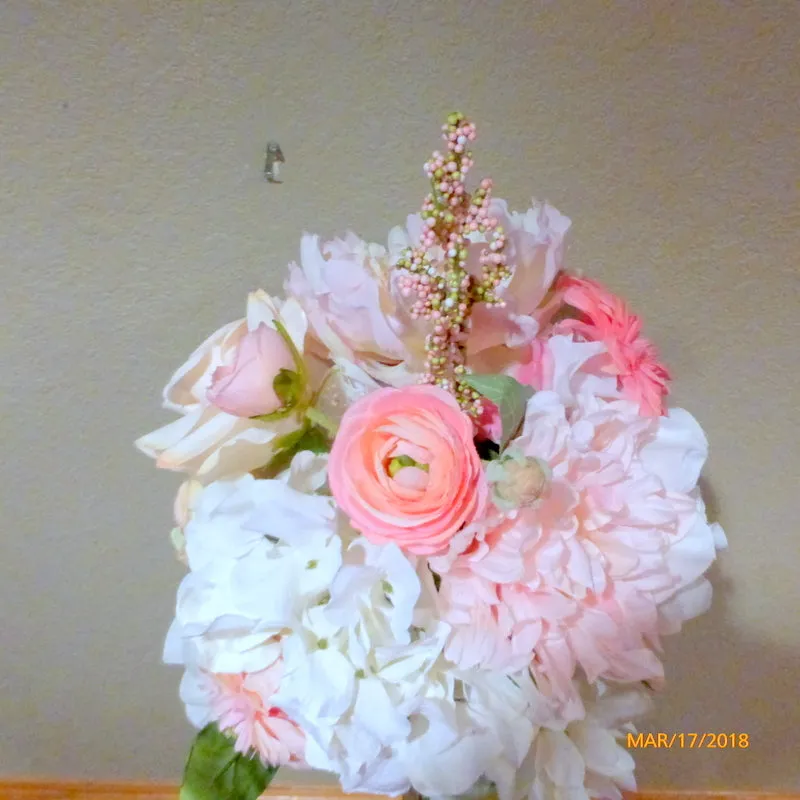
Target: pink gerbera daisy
{"x": 605, "y": 318}
{"x": 241, "y": 705}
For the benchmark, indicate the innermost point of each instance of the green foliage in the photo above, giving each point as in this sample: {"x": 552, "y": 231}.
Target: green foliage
{"x": 289, "y": 387}
{"x": 487, "y": 450}
{"x": 308, "y": 437}
{"x": 508, "y": 394}
{"x": 399, "y": 462}
{"x": 215, "y": 771}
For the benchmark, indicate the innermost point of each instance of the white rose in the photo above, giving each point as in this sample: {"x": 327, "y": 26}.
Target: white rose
{"x": 206, "y": 442}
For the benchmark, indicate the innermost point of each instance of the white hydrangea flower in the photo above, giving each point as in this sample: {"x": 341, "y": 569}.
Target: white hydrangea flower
{"x": 260, "y": 552}
{"x": 361, "y": 665}
{"x": 380, "y": 705}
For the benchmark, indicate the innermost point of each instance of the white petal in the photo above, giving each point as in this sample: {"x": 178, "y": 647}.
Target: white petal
{"x": 261, "y": 308}
{"x": 187, "y": 387}
{"x": 295, "y": 518}
{"x": 451, "y": 771}
{"x": 319, "y": 688}
{"x": 194, "y": 692}
{"x": 295, "y": 321}
{"x": 560, "y": 760}
{"x": 678, "y": 453}
{"x": 265, "y": 589}
{"x": 174, "y": 652}
{"x": 601, "y": 752}
{"x": 690, "y": 602}
{"x": 161, "y": 439}
{"x": 375, "y": 712}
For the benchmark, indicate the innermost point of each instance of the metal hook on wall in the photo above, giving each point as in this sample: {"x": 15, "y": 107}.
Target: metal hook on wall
{"x": 274, "y": 160}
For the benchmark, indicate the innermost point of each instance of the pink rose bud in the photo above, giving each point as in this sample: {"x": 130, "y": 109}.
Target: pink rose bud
{"x": 245, "y": 389}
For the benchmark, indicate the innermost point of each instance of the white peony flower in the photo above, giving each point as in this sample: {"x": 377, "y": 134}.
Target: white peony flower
{"x": 496, "y": 718}
{"x": 586, "y": 758}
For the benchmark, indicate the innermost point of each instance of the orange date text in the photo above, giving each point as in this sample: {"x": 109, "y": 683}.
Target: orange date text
{"x": 688, "y": 741}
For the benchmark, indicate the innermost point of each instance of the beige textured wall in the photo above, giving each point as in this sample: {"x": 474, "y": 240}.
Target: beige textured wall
{"x": 135, "y": 218}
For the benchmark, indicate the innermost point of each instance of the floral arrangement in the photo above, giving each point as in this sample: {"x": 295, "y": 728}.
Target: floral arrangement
{"x": 436, "y": 517}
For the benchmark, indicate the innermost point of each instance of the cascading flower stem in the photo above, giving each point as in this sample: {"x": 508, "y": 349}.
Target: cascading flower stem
{"x": 436, "y": 271}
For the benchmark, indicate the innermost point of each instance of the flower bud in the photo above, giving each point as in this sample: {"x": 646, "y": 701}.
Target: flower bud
{"x": 517, "y": 480}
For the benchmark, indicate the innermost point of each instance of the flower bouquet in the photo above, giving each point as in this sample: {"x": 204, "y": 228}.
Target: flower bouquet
{"x": 436, "y": 516}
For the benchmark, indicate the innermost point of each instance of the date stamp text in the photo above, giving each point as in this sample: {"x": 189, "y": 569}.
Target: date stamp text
{"x": 688, "y": 741}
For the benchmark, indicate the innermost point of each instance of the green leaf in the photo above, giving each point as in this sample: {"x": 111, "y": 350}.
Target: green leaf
{"x": 289, "y": 386}
{"x": 315, "y": 416}
{"x": 487, "y": 450}
{"x": 314, "y": 439}
{"x": 309, "y": 437}
{"x": 299, "y": 363}
{"x": 508, "y": 394}
{"x": 215, "y": 771}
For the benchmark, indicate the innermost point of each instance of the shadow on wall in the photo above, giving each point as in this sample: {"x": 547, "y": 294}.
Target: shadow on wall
{"x": 745, "y": 686}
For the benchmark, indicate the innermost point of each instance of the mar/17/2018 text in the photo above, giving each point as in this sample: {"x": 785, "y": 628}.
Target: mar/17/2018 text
{"x": 688, "y": 741}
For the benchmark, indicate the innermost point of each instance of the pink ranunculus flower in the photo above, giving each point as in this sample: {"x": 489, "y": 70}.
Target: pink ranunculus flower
{"x": 240, "y": 705}
{"x": 610, "y": 557}
{"x": 404, "y": 468}
{"x": 245, "y": 387}
{"x": 604, "y": 317}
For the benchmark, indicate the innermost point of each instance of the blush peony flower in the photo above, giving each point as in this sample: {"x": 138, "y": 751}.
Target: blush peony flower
{"x": 207, "y": 442}
{"x": 604, "y": 317}
{"x": 245, "y": 387}
{"x": 405, "y": 470}
{"x": 567, "y": 367}
{"x": 579, "y": 579}
{"x": 345, "y": 288}
{"x": 240, "y": 704}
{"x": 535, "y": 248}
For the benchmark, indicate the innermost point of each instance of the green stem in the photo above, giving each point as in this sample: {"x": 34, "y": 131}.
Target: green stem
{"x": 316, "y": 417}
